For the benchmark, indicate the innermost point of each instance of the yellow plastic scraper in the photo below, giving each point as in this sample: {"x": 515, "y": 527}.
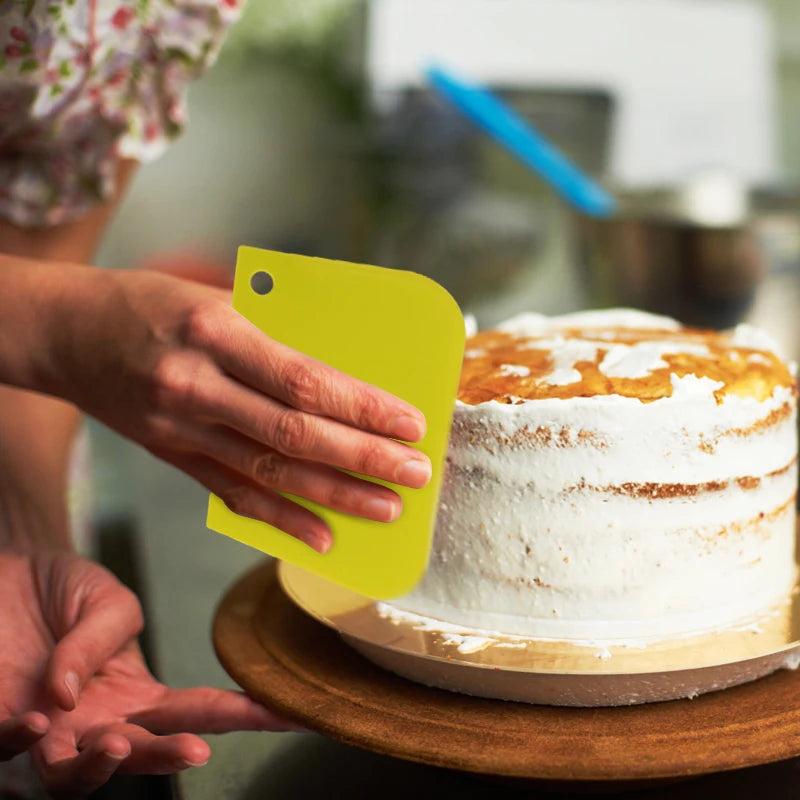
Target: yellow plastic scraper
{"x": 397, "y": 330}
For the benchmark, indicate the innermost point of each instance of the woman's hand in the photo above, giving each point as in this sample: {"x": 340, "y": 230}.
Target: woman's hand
{"x": 75, "y": 690}
{"x": 169, "y": 364}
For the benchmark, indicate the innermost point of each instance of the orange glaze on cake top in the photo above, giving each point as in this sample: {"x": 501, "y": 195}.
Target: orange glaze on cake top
{"x": 743, "y": 371}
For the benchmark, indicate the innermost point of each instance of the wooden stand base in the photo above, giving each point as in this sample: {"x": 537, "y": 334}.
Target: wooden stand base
{"x": 296, "y": 666}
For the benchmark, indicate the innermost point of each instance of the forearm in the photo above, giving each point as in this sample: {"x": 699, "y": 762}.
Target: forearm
{"x": 42, "y": 285}
{"x": 37, "y": 299}
{"x": 36, "y": 434}
{"x": 42, "y": 282}
{"x": 36, "y": 431}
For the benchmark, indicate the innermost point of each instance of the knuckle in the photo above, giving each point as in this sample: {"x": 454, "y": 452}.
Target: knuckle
{"x": 372, "y": 459}
{"x": 160, "y": 430}
{"x": 166, "y": 377}
{"x": 108, "y": 593}
{"x": 342, "y": 496}
{"x": 293, "y": 433}
{"x": 162, "y": 376}
{"x": 369, "y": 410}
{"x": 204, "y": 324}
{"x": 302, "y": 386}
{"x": 133, "y": 608}
{"x": 176, "y": 381}
{"x": 238, "y": 499}
{"x": 270, "y": 469}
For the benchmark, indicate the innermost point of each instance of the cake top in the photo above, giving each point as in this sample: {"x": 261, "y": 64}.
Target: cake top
{"x": 614, "y": 352}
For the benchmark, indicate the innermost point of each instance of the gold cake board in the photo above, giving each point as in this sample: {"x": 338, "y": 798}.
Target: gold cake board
{"x": 286, "y": 659}
{"x": 545, "y": 671}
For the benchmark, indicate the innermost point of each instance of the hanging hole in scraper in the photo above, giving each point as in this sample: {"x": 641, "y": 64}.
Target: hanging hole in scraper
{"x": 261, "y": 282}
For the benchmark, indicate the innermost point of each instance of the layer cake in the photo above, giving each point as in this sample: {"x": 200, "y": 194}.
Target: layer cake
{"x": 613, "y": 475}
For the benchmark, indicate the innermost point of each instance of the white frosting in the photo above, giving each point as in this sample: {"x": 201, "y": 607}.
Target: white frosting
{"x": 468, "y": 644}
{"x": 640, "y": 359}
{"x": 566, "y": 353}
{"x": 514, "y": 369}
{"x": 546, "y": 537}
{"x": 470, "y": 324}
{"x": 562, "y": 376}
{"x": 748, "y": 336}
{"x": 792, "y": 660}
{"x": 758, "y": 358}
{"x": 530, "y": 324}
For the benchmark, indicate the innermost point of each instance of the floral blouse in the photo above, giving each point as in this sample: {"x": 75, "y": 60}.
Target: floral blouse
{"x": 85, "y": 83}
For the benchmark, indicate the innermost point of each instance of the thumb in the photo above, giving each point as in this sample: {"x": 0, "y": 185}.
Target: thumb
{"x": 109, "y": 617}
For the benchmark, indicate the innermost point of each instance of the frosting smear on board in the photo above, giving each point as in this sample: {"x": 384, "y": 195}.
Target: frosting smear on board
{"x": 613, "y": 475}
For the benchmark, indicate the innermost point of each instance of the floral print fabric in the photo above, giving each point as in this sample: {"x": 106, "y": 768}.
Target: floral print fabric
{"x": 85, "y": 83}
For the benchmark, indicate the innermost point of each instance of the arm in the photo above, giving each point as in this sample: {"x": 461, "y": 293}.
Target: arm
{"x": 169, "y": 364}
{"x": 36, "y": 432}
{"x": 74, "y": 679}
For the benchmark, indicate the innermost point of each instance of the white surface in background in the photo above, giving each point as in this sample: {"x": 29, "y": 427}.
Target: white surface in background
{"x": 692, "y": 81}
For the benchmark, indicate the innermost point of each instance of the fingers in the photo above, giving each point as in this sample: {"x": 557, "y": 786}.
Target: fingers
{"x": 161, "y": 755}
{"x": 303, "y": 382}
{"x": 207, "y": 710}
{"x": 73, "y": 770}
{"x": 68, "y": 773}
{"x": 256, "y": 502}
{"x": 265, "y": 467}
{"x": 18, "y": 733}
{"x": 305, "y": 436}
{"x": 109, "y": 617}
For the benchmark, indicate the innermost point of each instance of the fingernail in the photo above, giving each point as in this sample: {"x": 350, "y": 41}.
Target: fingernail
{"x": 116, "y": 756}
{"x": 382, "y": 510}
{"x": 73, "y": 684}
{"x": 36, "y": 731}
{"x": 184, "y": 763}
{"x": 321, "y": 542}
{"x": 415, "y": 473}
{"x": 408, "y": 428}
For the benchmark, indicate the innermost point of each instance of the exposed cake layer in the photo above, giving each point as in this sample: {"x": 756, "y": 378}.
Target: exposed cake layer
{"x": 686, "y": 438}
{"x": 612, "y": 516}
{"x": 599, "y": 566}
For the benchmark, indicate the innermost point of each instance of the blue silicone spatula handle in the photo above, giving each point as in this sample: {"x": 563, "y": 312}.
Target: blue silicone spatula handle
{"x": 518, "y": 136}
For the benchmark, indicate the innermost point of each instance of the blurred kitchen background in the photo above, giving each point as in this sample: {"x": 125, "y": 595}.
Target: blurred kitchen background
{"x": 316, "y": 134}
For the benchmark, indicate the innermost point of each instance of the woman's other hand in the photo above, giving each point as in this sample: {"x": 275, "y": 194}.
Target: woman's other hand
{"x": 74, "y": 688}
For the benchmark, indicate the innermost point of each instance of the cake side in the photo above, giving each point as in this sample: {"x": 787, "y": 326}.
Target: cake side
{"x": 603, "y": 515}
